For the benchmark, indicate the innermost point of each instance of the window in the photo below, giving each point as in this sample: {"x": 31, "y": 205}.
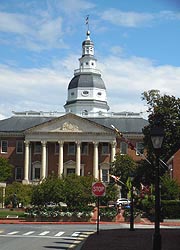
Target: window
{"x": 37, "y": 173}
{"x": 37, "y": 147}
{"x": 18, "y": 173}
{"x": 19, "y": 147}
{"x": 70, "y": 171}
{"x": 56, "y": 148}
{"x": 4, "y": 147}
{"x": 105, "y": 174}
{"x": 71, "y": 148}
{"x": 105, "y": 148}
{"x": 84, "y": 148}
{"x": 123, "y": 148}
{"x": 139, "y": 148}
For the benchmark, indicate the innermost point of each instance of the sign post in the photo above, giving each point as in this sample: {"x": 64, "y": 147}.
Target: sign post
{"x": 98, "y": 190}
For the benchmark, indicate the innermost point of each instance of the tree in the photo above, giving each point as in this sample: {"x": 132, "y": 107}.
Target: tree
{"x": 5, "y": 169}
{"x": 123, "y": 167}
{"x": 170, "y": 189}
{"x": 22, "y": 192}
{"x": 166, "y": 109}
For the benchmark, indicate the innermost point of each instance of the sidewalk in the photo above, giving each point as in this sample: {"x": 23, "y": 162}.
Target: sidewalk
{"x": 123, "y": 239}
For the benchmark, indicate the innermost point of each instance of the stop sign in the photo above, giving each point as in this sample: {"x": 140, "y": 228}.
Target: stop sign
{"x": 98, "y": 189}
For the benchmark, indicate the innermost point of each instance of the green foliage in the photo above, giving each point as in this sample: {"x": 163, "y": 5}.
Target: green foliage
{"x": 171, "y": 209}
{"x": 5, "y": 212}
{"x": 50, "y": 190}
{"x": 123, "y": 167}
{"x": 167, "y": 109}
{"x": 170, "y": 189}
{"x": 23, "y": 193}
{"x": 111, "y": 194}
{"x": 107, "y": 212}
{"x": 77, "y": 190}
{"x": 74, "y": 190}
{"x": 5, "y": 169}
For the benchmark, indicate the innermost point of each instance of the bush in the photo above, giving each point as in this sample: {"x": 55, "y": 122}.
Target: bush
{"x": 171, "y": 209}
{"x": 108, "y": 212}
{"x": 23, "y": 193}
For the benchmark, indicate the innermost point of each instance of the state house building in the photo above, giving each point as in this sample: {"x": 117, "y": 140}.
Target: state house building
{"x": 80, "y": 141}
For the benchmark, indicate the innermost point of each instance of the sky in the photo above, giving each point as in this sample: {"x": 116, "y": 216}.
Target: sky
{"x": 136, "y": 46}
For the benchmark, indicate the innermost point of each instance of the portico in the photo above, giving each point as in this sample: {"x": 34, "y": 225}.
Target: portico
{"x": 71, "y": 139}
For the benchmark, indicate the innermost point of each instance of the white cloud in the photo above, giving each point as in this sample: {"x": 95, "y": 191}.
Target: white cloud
{"x": 136, "y": 19}
{"x": 33, "y": 32}
{"x": 46, "y": 88}
{"x": 128, "y": 19}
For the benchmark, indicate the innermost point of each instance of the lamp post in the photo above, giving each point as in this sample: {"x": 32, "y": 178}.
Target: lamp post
{"x": 132, "y": 205}
{"x": 157, "y": 136}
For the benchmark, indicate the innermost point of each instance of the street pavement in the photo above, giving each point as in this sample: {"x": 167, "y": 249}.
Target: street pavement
{"x": 124, "y": 239}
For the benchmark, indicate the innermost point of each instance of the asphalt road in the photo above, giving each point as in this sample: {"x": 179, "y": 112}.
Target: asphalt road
{"x": 37, "y": 237}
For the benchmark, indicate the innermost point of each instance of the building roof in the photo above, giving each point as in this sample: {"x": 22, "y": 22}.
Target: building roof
{"x": 87, "y": 80}
{"x": 124, "y": 124}
{"x": 22, "y": 123}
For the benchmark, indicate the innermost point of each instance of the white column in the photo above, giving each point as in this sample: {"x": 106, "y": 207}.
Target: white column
{"x": 78, "y": 158}
{"x": 43, "y": 168}
{"x": 60, "y": 163}
{"x": 26, "y": 163}
{"x": 95, "y": 161}
{"x": 113, "y": 150}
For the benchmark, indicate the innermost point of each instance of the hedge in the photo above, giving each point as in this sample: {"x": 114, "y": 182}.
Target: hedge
{"x": 171, "y": 209}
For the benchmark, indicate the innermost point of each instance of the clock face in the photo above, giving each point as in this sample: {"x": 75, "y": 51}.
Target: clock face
{"x": 85, "y": 93}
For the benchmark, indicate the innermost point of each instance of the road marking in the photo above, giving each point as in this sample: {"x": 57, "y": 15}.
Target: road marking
{"x": 59, "y": 234}
{"x": 44, "y": 233}
{"x": 12, "y": 233}
{"x": 75, "y": 234}
{"x": 28, "y": 233}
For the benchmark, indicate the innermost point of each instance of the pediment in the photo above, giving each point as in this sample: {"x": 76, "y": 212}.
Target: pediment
{"x": 69, "y": 123}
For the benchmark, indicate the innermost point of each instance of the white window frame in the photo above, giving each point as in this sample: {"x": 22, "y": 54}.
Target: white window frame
{"x": 21, "y": 145}
{"x": 124, "y": 146}
{"x": 85, "y": 147}
{"x": 104, "y": 166}
{"x": 21, "y": 173}
{"x": 2, "y": 147}
{"x": 139, "y": 147}
{"x": 71, "y": 144}
{"x": 105, "y": 145}
{"x": 35, "y": 147}
{"x": 36, "y": 165}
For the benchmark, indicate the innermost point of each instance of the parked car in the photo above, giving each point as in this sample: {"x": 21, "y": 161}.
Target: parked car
{"x": 111, "y": 204}
{"x": 123, "y": 202}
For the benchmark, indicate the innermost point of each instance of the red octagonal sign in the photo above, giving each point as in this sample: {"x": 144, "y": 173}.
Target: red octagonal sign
{"x": 98, "y": 189}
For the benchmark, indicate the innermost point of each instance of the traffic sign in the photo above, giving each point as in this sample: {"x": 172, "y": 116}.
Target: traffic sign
{"x": 98, "y": 189}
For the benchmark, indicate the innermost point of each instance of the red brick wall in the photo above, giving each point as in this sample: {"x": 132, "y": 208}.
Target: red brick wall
{"x": 176, "y": 166}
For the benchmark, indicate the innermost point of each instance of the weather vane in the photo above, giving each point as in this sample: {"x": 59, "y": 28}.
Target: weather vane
{"x": 87, "y": 22}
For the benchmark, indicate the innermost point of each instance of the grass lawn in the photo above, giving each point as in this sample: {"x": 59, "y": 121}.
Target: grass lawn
{"x": 5, "y": 212}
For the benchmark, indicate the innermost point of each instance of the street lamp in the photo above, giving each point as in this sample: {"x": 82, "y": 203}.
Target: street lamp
{"x": 157, "y": 136}
{"x": 132, "y": 204}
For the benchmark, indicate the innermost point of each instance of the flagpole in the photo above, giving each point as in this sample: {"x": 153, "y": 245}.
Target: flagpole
{"x": 129, "y": 143}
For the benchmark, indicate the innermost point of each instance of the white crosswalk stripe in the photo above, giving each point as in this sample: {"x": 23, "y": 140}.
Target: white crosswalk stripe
{"x": 47, "y": 234}
{"x": 12, "y": 233}
{"x": 75, "y": 234}
{"x": 59, "y": 234}
{"x": 29, "y": 233}
{"x": 44, "y": 233}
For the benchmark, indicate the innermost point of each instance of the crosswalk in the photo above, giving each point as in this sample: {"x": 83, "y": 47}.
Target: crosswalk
{"x": 46, "y": 234}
